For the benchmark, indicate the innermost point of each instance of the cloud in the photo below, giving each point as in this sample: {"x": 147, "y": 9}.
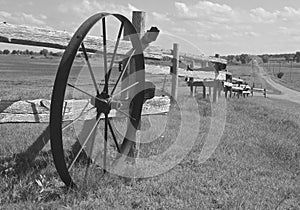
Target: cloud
{"x": 89, "y": 7}
{"x": 289, "y": 14}
{"x": 260, "y": 15}
{"x": 246, "y": 33}
{"x": 161, "y": 17}
{"x": 184, "y": 11}
{"x": 213, "y": 37}
{"x": 205, "y": 11}
{"x": 22, "y": 18}
{"x": 286, "y": 14}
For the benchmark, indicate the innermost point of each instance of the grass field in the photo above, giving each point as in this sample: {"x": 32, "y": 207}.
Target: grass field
{"x": 291, "y": 77}
{"x": 255, "y": 166}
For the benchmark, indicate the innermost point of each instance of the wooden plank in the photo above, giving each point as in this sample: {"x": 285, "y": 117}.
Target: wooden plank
{"x": 42, "y": 37}
{"x": 174, "y": 90}
{"x": 202, "y": 75}
{"x": 38, "y": 110}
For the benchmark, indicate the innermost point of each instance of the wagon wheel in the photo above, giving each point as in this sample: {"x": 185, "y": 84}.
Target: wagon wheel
{"x": 100, "y": 98}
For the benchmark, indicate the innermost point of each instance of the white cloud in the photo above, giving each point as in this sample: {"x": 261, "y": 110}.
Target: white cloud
{"x": 246, "y": 33}
{"x": 161, "y": 17}
{"x": 22, "y": 18}
{"x": 262, "y": 16}
{"x": 184, "y": 11}
{"x": 206, "y": 11}
{"x": 89, "y": 7}
{"x": 289, "y": 14}
{"x": 214, "y": 37}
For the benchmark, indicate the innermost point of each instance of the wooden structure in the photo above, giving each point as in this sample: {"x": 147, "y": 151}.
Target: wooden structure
{"x": 215, "y": 83}
{"x": 105, "y": 97}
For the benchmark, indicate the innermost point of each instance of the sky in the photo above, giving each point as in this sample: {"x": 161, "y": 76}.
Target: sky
{"x": 199, "y": 27}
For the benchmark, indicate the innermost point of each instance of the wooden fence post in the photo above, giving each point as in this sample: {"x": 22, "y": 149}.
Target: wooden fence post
{"x": 220, "y": 88}
{"x": 192, "y": 80}
{"x": 175, "y": 72}
{"x": 215, "y": 90}
{"x": 138, "y": 21}
{"x": 204, "y": 91}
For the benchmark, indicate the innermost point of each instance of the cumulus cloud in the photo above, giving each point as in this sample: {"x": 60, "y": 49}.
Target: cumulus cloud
{"x": 245, "y": 33}
{"x": 206, "y": 11}
{"x": 88, "y": 7}
{"x": 262, "y": 16}
{"x": 161, "y": 17}
{"x": 22, "y": 18}
{"x": 289, "y": 14}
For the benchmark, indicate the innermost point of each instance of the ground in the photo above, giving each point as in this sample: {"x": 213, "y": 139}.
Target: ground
{"x": 255, "y": 164}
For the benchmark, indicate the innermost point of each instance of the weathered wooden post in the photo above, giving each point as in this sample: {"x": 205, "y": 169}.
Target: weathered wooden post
{"x": 220, "y": 88}
{"x": 191, "y": 80}
{"x": 215, "y": 90}
{"x": 175, "y": 64}
{"x": 138, "y": 21}
{"x": 204, "y": 91}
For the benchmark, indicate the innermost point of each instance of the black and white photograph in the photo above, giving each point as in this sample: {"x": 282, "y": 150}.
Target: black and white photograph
{"x": 170, "y": 104}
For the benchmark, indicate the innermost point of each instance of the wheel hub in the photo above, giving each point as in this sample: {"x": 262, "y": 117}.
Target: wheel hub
{"x": 102, "y": 103}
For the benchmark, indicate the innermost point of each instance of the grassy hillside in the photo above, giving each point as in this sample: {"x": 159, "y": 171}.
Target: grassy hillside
{"x": 255, "y": 166}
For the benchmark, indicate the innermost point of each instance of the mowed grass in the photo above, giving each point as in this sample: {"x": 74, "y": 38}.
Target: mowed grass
{"x": 255, "y": 166}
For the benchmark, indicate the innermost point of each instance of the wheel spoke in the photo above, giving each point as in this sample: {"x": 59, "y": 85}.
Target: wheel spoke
{"x": 89, "y": 67}
{"x": 90, "y": 154}
{"x": 105, "y": 142}
{"x": 84, "y": 143}
{"x": 115, "y": 50}
{"x": 123, "y": 71}
{"x": 127, "y": 115}
{"x": 113, "y": 135}
{"x": 125, "y": 89}
{"x": 96, "y": 98}
{"x": 105, "y": 55}
{"x": 77, "y": 118}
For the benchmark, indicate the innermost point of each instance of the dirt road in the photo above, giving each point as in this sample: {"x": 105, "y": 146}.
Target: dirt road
{"x": 286, "y": 93}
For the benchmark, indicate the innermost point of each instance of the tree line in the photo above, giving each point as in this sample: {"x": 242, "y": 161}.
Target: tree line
{"x": 246, "y": 58}
{"x": 43, "y": 52}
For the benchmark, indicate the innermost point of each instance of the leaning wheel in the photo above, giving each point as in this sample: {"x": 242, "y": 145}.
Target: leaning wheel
{"x": 87, "y": 95}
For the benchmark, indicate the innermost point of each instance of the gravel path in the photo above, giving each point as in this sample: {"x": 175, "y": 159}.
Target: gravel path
{"x": 286, "y": 93}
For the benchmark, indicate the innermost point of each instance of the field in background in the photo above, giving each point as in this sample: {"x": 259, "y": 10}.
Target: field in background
{"x": 291, "y": 77}
{"x": 255, "y": 166}
{"x": 250, "y": 75}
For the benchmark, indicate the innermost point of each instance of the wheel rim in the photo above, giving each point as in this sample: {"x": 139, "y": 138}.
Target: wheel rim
{"x": 101, "y": 100}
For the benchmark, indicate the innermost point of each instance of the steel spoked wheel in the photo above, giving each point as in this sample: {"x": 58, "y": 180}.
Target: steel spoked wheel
{"x": 96, "y": 106}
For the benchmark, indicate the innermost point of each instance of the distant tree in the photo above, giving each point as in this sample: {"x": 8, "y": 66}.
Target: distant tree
{"x": 14, "y": 52}
{"x": 265, "y": 58}
{"x": 31, "y": 52}
{"x": 230, "y": 58}
{"x": 297, "y": 57}
{"x": 280, "y": 74}
{"x": 245, "y": 58}
{"x": 1, "y": 52}
{"x": 6, "y": 52}
{"x": 237, "y": 58}
{"x": 44, "y": 52}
